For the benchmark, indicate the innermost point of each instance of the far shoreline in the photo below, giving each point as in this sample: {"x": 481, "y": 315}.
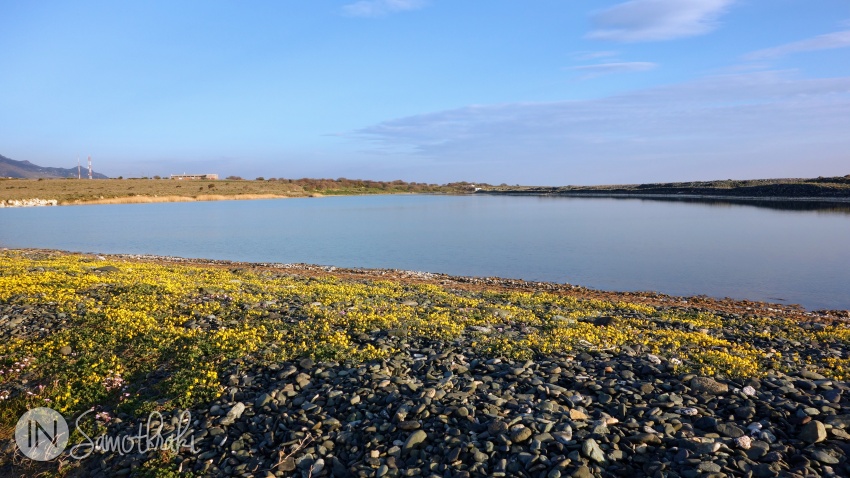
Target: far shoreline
{"x": 666, "y": 196}
{"x": 39, "y": 202}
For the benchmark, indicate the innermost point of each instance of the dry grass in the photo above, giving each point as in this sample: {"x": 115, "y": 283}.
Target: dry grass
{"x": 132, "y": 191}
{"x": 202, "y": 197}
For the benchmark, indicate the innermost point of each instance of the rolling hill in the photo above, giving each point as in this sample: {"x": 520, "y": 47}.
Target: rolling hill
{"x": 9, "y": 168}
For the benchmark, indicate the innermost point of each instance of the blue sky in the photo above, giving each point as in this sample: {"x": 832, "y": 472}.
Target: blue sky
{"x": 531, "y": 92}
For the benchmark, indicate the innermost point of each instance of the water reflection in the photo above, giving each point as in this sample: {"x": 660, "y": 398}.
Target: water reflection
{"x": 825, "y": 207}
{"x": 820, "y": 206}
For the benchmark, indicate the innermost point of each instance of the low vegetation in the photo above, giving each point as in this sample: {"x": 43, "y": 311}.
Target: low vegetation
{"x": 140, "y": 336}
{"x": 115, "y": 191}
{"x": 827, "y": 188}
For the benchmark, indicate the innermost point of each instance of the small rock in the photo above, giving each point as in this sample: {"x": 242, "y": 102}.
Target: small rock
{"x": 824, "y": 457}
{"x": 564, "y": 436}
{"x": 644, "y": 439}
{"x": 813, "y": 432}
{"x": 744, "y": 442}
{"x": 590, "y": 449}
{"x": 811, "y": 375}
{"x": 262, "y": 400}
{"x": 709, "y": 467}
{"x": 706, "y": 448}
{"x": 520, "y": 435}
{"x": 576, "y": 414}
{"x": 287, "y": 465}
{"x": 234, "y": 414}
{"x": 414, "y": 440}
{"x": 582, "y": 472}
{"x": 496, "y": 427}
{"x": 729, "y": 430}
{"x": 317, "y": 467}
{"x": 708, "y": 385}
{"x": 409, "y": 425}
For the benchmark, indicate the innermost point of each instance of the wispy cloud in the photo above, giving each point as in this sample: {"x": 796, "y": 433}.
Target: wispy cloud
{"x": 822, "y": 42}
{"x": 652, "y": 20}
{"x": 377, "y": 8}
{"x": 600, "y": 69}
{"x": 758, "y": 120}
{"x": 594, "y": 55}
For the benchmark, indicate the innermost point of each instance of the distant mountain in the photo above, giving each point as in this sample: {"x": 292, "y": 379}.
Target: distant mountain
{"x": 9, "y": 168}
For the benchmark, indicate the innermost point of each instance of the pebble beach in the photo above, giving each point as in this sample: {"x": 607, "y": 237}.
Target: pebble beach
{"x": 312, "y": 371}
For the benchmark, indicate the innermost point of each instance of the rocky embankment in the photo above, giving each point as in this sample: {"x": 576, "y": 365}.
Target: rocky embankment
{"x": 35, "y": 202}
{"x": 437, "y": 411}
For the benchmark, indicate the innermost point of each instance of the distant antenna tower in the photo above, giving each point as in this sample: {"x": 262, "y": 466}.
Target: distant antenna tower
{"x": 78, "y": 168}
{"x": 89, "y": 167}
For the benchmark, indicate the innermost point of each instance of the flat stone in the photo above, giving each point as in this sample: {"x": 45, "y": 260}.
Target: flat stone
{"x": 262, "y": 400}
{"x": 811, "y": 375}
{"x": 497, "y": 426}
{"x": 705, "y": 448}
{"x": 825, "y": 457}
{"x": 564, "y": 436}
{"x": 644, "y": 439}
{"x": 520, "y": 435}
{"x": 709, "y": 467}
{"x": 233, "y": 414}
{"x": 409, "y": 425}
{"x": 730, "y": 431}
{"x": 576, "y": 414}
{"x": 306, "y": 363}
{"x": 582, "y": 472}
{"x": 590, "y": 449}
{"x": 708, "y": 385}
{"x": 287, "y": 465}
{"x": 414, "y": 440}
{"x": 813, "y": 432}
{"x": 839, "y": 421}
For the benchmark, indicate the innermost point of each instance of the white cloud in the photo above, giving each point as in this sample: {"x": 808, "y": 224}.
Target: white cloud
{"x": 619, "y": 67}
{"x": 755, "y": 120}
{"x": 822, "y": 42}
{"x": 594, "y": 55}
{"x": 651, "y": 20}
{"x": 377, "y": 8}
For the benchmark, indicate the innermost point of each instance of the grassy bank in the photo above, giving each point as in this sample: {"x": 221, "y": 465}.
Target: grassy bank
{"x": 119, "y": 191}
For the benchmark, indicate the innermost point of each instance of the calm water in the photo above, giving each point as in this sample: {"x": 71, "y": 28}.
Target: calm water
{"x": 789, "y": 253}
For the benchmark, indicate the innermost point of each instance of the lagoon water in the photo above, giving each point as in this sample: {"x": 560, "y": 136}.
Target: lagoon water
{"x": 792, "y": 253}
